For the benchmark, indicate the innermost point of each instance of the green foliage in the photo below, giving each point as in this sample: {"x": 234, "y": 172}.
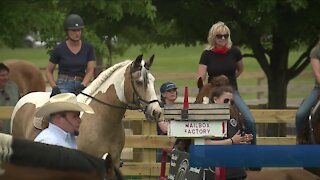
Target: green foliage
{"x": 270, "y": 28}
{"x": 122, "y": 19}
{"x": 179, "y": 60}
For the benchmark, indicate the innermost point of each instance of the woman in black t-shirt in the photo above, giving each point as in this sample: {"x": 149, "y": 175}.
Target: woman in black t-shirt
{"x": 220, "y": 58}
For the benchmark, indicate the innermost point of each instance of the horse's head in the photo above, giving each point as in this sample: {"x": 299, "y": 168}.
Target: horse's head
{"x": 142, "y": 88}
{"x": 204, "y": 94}
{"x": 311, "y": 134}
{"x": 205, "y": 90}
{"x": 219, "y": 83}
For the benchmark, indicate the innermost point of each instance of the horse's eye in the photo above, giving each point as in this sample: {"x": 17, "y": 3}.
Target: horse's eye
{"x": 139, "y": 83}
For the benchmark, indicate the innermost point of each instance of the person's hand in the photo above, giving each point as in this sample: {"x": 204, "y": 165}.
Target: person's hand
{"x": 245, "y": 139}
{"x": 55, "y": 91}
{"x": 248, "y": 138}
{"x": 237, "y": 138}
{"x": 79, "y": 89}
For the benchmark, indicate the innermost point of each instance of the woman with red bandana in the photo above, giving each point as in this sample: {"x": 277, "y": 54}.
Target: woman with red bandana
{"x": 221, "y": 58}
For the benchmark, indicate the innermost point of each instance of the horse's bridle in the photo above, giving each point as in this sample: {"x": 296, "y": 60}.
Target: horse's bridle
{"x": 311, "y": 122}
{"x": 137, "y": 99}
{"x": 139, "y": 103}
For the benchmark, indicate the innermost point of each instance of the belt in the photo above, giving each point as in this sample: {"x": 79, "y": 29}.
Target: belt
{"x": 70, "y": 77}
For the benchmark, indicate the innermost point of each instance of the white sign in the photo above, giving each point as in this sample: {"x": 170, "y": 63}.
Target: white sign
{"x": 198, "y": 128}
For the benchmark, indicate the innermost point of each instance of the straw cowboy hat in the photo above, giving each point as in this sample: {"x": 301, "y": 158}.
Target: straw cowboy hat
{"x": 63, "y": 102}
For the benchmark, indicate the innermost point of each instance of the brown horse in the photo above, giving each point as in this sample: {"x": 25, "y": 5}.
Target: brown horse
{"x": 311, "y": 132}
{"x": 205, "y": 90}
{"x": 205, "y": 96}
{"x": 27, "y": 76}
{"x": 126, "y": 85}
{"x": 23, "y": 159}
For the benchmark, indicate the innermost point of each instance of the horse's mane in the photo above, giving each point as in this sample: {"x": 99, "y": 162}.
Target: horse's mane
{"x": 29, "y": 153}
{"x": 221, "y": 80}
{"x": 103, "y": 76}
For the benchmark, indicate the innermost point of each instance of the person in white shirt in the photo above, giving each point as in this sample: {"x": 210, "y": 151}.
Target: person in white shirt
{"x": 64, "y": 120}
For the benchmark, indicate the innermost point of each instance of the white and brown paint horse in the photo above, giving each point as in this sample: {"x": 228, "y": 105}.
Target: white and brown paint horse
{"x": 126, "y": 85}
{"x": 26, "y": 75}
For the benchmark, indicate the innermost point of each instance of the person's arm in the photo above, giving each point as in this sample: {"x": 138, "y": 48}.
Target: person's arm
{"x": 89, "y": 73}
{"x": 315, "y": 64}
{"x": 202, "y": 72}
{"x": 219, "y": 142}
{"x": 239, "y": 69}
{"x": 49, "y": 73}
{"x": 236, "y": 139}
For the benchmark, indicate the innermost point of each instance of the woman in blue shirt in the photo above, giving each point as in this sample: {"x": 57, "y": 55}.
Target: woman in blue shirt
{"x": 75, "y": 58}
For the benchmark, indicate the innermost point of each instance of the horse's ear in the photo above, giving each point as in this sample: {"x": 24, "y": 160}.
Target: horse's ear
{"x": 149, "y": 63}
{"x": 137, "y": 62}
{"x": 200, "y": 83}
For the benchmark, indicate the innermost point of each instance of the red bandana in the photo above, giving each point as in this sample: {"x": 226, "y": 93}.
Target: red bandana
{"x": 223, "y": 50}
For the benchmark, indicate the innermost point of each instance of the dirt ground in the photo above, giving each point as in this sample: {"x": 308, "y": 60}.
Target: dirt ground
{"x": 281, "y": 174}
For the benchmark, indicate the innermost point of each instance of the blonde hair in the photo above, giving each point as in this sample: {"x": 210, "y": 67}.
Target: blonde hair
{"x": 214, "y": 30}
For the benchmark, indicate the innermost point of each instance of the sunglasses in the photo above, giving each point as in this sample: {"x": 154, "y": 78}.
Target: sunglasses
{"x": 227, "y": 100}
{"x": 219, "y": 36}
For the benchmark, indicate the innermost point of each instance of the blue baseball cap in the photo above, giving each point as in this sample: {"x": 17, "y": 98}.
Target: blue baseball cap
{"x": 167, "y": 86}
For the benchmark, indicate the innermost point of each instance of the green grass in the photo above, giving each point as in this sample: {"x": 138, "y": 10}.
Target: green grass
{"x": 37, "y": 56}
{"x": 179, "y": 59}
{"x": 173, "y": 59}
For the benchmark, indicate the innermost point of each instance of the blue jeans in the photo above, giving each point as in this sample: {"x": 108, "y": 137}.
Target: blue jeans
{"x": 245, "y": 111}
{"x": 66, "y": 85}
{"x": 305, "y": 109}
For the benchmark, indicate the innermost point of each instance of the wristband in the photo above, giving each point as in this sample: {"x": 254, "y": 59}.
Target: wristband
{"x": 231, "y": 140}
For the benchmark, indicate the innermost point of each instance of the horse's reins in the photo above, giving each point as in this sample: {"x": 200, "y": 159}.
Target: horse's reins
{"x": 141, "y": 104}
{"x": 111, "y": 105}
{"x": 311, "y": 122}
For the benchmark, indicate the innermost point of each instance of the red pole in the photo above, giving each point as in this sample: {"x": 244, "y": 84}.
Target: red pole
{"x": 186, "y": 100}
{"x": 163, "y": 165}
{"x": 220, "y": 173}
{"x": 184, "y": 111}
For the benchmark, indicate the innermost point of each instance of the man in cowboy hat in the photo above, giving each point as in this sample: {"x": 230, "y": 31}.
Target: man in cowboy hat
{"x": 63, "y": 111}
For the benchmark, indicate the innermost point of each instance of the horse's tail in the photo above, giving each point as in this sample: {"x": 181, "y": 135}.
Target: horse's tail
{"x": 5, "y": 147}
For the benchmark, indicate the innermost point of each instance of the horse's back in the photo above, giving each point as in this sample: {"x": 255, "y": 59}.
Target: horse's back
{"x": 24, "y": 113}
{"x": 27, "y": 76}
{"x": 23, "y": 159}
{"x": 13, "y": 172}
